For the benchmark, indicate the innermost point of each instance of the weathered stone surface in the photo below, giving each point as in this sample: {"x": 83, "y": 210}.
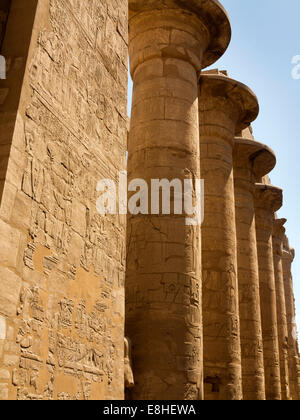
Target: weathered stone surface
{"x": 3, "y": 392}
{"x": 9, "y": 252}
{"x": 278, "y": 237}
{"x": 169, "y": 44}
{"x": 288, "y": 256}
{"x": 268, "y": 199}
{"x": 4, "y": 375}
{"x": 11, "y": 286}
{"x": 128, "y": 373}
{"x": 225, "y": 107}
{"x": 62, "y": 265}
{"x": 251, "y": 160}
{"x": 64, "y": 127}
{"x": 2, "y": 328}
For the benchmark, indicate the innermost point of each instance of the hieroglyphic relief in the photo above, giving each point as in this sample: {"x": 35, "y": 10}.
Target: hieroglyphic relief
{"x": 72, "y": 132}
{"x": 78, "y": 343}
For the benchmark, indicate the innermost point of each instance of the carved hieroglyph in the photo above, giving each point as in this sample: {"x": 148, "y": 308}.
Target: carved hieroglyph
{"x": 62, "y": 265}
{"x": 225, "y": 108}
{"x": 170, "y": 42}
{"x": 268, "y": 200}
{"x": 251, "y": 161}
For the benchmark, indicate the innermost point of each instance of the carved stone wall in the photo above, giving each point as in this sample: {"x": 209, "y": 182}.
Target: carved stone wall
{"x": 222, "y": 294}
{"x": 61, "y": 263}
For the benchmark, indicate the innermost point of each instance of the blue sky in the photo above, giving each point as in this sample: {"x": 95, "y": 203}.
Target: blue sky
{"x": 266, "y": 36}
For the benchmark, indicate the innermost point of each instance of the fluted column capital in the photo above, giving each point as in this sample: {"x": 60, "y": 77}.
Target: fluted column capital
{"x": 268, "y": 197}
{"x": 227, "y": 101}
{"x": 251, "y": 153}
{"x": 288, "y": 254}
{"x": 279, "y": 229}
{"x": 197, "y": 31}
{"x": 251, "y": 161}
{"x": 278, "y": 236}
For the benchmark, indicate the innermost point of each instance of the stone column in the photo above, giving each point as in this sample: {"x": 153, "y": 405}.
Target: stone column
{"x": 225, "y": 108}
{"x": 288, "y": 256}
{"x": 252, "y": 160}
{"x": 170, "y": 42}
{"x": 268, "y": 199}
{"x": 278, "y": 236}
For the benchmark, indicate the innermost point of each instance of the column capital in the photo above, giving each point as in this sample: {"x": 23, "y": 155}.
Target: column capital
{"x": 176, "y": 27}
{"x": 232, "y": 96}
{"x": 268, "y": 197}
{"x": 288, "y": 254}
{"x": 251, "y": 153}
{"x": 279, "y": 229}
{"x": 278, "y": 236}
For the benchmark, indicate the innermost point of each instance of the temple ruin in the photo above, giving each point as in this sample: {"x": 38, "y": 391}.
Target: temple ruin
{"x": 137, "y": 306}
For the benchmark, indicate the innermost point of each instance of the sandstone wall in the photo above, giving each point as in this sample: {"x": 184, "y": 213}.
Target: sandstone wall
{"x": 62, "y": 129}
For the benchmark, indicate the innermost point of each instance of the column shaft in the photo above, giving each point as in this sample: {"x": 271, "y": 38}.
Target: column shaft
{"x": 163, "y": 274}
{"x": 245, "y": 163}
{"x": 287, "y": 259}
{"x": 220, "y": 307}
{"x": 168, "y": 44}
{"x": 264, "y": 213}
{"x": 278, "y": 234}
{"x": 219, "y": 115}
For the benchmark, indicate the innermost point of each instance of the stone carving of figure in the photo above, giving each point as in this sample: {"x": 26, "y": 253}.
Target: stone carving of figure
{"x": 128, "y": 374}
